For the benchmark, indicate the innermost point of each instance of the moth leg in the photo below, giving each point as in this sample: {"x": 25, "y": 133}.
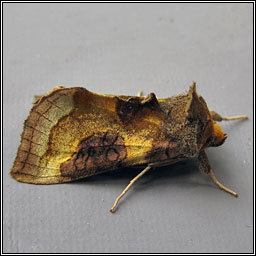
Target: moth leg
{"x": 204, "y": 166}
{"x": 219, "y": 118}
{"x": 140, "y": 93}
{"x": 113, "y": 208}
{"x": 211, "y": 173}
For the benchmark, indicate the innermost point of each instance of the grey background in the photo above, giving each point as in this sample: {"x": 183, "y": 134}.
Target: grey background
{"x": 120, "y": 49}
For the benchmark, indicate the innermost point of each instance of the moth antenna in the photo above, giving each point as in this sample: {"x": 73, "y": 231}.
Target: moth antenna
{"x": 217, "y": 117}
{"x": 234, "y": 118}
{"x": 113, "y": 208}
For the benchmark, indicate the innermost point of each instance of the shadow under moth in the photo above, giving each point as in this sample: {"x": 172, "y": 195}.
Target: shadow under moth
{"x": 72, "y": 133}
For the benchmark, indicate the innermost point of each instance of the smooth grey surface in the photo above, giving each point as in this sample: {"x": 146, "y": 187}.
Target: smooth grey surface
{"x": 120, "y": 49}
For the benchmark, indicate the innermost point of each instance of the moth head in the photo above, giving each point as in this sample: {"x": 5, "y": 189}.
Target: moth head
{"x": 215, "y": 135}
{"x": 218, "y": 136}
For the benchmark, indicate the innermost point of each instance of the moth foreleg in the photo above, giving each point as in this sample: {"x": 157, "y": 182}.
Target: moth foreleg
{"x": 204, "y": 166}
{"x": 211, "y": 173}
{"x": 219, "y": 118}
{"x": 113, "y": 208}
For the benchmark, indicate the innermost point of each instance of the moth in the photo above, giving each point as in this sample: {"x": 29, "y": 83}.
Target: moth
{"x": 72, "y": 133}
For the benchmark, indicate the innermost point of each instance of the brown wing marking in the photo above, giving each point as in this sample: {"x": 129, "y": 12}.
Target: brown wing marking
{"x": 128, "y": 109}
{"x": 95, "y": 154}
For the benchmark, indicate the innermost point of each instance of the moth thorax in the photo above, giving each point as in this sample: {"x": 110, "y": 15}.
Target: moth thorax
{"x": 218, "y": 136}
